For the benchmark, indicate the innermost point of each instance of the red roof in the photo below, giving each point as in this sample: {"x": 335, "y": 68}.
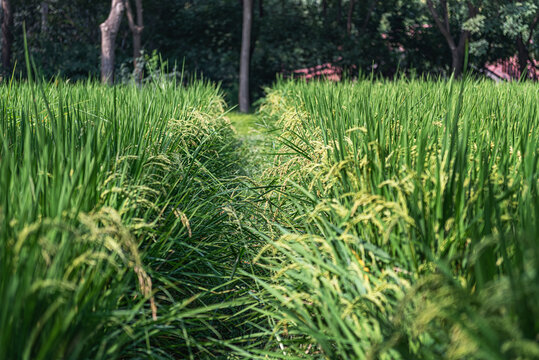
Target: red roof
{"x": 508, "y": 69}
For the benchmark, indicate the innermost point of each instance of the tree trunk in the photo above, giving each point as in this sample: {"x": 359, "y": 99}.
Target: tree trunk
{"x": 44, "y": 16}
{"x": 7, "y": 36}
{"x": 456, "y": 62}
{"x": 261, "y": 8}
{"x": 136, "y": 29}
{"x": 367, "y": 17}
{"x": 109, "y": 30}
{"x": 243, "y": 96}
{"x": 349, "y": 19}
{"x": 457, "y": 54}
{"x": 523, "y": 55}
{"x": 442, "y": 22}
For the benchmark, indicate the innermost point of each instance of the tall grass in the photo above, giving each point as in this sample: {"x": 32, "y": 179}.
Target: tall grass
{"x": 117, "y": 211}
{"x": 399, "y": 221}
{"x": 409, "y": 215}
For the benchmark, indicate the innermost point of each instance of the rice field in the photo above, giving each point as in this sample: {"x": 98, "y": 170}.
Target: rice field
{"x": 116, "y": 209}
{"x": 408, "y": 215}
{"x": 373, "y": 220}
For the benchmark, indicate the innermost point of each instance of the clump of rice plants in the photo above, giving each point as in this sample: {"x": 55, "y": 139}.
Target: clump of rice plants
{"x": 117, "y": 210}
{"x": 399, "y": 220}
{"x": 408, "y": 215}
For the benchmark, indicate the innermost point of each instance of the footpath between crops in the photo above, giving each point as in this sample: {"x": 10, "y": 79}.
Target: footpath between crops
{"x": 255, "y": 140}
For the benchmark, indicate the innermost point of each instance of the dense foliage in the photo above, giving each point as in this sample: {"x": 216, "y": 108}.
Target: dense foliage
{"x": 117, "y": 211}
{"x": 204, "y": 36}
{"x": 408, "y": 220}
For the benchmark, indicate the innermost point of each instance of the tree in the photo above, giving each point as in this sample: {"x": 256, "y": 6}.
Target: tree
{"x": 520, "y": 19}
{"x": 136, "y": 30}
{"x": 441, "y": 14}
{"x": 109, "y": 31}
{"x": 245, "y": 55}
{"x": 350, "y": 15}
{"x": 44, "y": 14}
{"x": 368, "y": 14}
{"x": 7, "y": 35}
{"x": 368, "y": 8}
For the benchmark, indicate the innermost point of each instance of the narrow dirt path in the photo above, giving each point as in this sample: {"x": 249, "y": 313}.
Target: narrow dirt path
{"x": 256, "y": 142}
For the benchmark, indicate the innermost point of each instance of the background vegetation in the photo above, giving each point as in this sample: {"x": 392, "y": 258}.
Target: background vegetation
{"x": 204, "y": 36}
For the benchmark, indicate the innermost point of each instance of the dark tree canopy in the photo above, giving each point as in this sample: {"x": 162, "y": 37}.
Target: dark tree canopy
{"x": 204, "y": 36}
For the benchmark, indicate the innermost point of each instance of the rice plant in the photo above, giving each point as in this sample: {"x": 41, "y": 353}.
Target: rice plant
{"x": 398, "y": 220}
{"x": 408, "y": 215}
{"x": 117, "y": 211}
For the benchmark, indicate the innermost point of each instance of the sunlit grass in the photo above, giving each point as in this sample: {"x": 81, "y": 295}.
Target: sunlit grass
{"x": 244, "y": 124}
{"x": 392, "y": 220}
{"x": 117, "y": 236}
{"x": 408, "y": 215}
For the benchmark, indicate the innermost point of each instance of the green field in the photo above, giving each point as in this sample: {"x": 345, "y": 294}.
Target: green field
{"x": 409, "y": 220}
{"x": 115, "y": 212}
{"x": 361, "y": 220}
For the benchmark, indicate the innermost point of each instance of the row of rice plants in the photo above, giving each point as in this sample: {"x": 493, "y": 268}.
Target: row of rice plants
{"x": 408, "y": 215}
{"x": 117, "y": 222}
